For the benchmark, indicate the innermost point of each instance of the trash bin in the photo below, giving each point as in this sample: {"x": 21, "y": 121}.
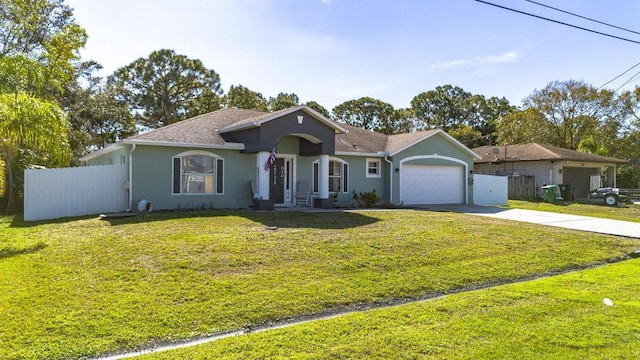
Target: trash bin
{"x": 549, "y": 192}
{"x": 566, "y": 192}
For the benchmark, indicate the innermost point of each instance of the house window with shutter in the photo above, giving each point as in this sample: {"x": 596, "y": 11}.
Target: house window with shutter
{"x": 198, "y": 172}
{"x": 338, "y": 176}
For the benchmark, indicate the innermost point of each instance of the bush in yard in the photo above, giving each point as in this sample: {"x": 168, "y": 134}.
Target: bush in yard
{"x": 367, "y": 199}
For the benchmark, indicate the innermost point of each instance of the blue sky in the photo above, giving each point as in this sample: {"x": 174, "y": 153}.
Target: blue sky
{"x": 331, "y": 51}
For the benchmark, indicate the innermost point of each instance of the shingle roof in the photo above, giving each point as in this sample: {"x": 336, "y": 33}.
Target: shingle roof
{"x": 398, "y": 142}
{"x": 537, "y": 152}
{"x": 359, "y": 140}
{"x": 202, "y": 129}
{"x": 206, "y": 129}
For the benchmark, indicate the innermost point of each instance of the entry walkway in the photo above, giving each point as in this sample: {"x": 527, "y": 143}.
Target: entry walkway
{"x": 575, "y": 222}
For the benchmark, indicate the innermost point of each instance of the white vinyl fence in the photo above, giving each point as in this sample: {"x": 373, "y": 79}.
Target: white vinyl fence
{"x": 490, "y": 190}
{"x": 55, "y": 193}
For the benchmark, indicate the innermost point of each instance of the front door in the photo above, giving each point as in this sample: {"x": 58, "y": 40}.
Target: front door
{"x": 277, "y": 181}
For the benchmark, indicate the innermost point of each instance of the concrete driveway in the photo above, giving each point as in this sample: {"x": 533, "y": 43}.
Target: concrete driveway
{"x": 575, "y": 222}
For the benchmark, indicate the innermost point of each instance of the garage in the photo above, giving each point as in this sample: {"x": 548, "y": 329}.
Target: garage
{"x": 579, "y": 178}
{"x": 431, "y": 184}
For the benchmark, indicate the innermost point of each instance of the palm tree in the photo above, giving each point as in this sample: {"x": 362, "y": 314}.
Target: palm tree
{"x": 27, "y": 122}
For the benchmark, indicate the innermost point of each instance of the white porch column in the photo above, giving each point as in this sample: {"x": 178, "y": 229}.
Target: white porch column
{"x": 323, "y": 177}
{"x": 263, "y": 176}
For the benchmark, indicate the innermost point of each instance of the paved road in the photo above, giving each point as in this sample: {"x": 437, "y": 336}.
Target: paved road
{"x": 584, "y": 223}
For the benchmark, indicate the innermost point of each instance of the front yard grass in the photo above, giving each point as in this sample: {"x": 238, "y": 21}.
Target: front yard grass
{"x": 84, "y": 287}
{"x": 630, "y": 212}
{"x": 562, "y": 317}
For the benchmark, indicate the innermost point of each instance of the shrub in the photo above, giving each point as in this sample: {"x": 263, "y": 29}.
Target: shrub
{"x": 367, "y": 199}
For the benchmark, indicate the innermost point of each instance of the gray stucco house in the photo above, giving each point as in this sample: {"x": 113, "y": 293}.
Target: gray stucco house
{"x": 549, "y": 165}
{"x": 219, "y": 160}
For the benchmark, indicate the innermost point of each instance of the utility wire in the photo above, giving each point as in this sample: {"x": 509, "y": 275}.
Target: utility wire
{"x": 583, "y": 17}
{"x": 615, "y": 78}
{"x": 558, "y": 22}
{"x": 628, "y": 81}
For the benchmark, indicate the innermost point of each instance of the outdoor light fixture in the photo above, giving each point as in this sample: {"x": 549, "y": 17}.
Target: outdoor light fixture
{"x": 300, "y": 118}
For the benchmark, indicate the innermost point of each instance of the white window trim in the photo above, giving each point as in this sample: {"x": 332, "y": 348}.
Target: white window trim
{"x": 215, "y": 157}
{"x": 343, "y": 163}
{"x": 379, "y": 168}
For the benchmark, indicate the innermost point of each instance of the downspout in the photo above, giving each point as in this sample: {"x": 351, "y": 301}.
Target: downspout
{"x": 386, "y": 158}
{"x": 133, "y": 148}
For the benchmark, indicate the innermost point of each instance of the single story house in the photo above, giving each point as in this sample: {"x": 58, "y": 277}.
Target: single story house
{"x": 550, "y": 165}
{"x": 237, "y": 158}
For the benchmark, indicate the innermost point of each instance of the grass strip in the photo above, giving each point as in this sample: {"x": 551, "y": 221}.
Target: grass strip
{"x": 562, "y": 317}
{"x": 85, "y": 287}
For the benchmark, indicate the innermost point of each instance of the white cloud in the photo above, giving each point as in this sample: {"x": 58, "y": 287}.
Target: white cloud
{"x": 479, "y": 60}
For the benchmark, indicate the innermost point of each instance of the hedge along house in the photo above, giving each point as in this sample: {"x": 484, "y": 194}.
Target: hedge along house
{"x": 223, "y": 159}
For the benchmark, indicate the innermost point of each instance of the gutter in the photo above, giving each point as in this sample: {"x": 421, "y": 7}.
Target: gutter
{"x": 386, "y": 158}
{"x": 130, "y": 181}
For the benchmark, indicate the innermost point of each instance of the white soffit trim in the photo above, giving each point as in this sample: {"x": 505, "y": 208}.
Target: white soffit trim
{"x": 230, "y": 146}
{"x": 105, "y": 150}
{"x": 349, "y": 153}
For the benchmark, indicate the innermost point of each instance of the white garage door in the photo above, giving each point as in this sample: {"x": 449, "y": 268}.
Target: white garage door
{"x": 422, "y": 184}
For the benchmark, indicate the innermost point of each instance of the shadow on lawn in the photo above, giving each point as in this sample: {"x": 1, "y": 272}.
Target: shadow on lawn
{"x": 279, "y": 219}
{"x": 7, "y": 253}
{"x": 19, "y": 222}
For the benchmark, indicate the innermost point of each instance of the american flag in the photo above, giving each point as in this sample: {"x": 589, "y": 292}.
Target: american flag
{"x": 272, "y": 158}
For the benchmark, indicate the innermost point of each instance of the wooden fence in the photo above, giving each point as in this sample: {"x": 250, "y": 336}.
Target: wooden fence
{"x": 522, "y": 187}
{"x": 55, "y": 193}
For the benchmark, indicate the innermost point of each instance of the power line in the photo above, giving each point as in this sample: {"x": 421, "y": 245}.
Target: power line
{"x": 558, "y": 22}
{"x": 615, "y": 78}
{"x": 583, "y": 17}
{"x": 628, "y": 81}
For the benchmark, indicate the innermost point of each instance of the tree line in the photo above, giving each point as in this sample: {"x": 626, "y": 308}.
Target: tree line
{"x": 55, "y": 109}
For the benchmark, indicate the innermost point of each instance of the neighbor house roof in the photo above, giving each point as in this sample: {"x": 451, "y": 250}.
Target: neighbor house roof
{"x": 537, "y": 152}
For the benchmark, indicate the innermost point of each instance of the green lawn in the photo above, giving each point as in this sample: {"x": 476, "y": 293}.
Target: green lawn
{"x": 562, "y": 317}
{"x": 630, "y": 212}
{"x": 85, "y": 287}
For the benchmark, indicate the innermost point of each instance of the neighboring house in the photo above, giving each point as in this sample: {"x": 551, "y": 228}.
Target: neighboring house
{"x": 550, "y": 165}
{"x": 218, "y": 160}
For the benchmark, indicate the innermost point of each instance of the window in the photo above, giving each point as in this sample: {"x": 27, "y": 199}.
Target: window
{"x": 338, "y": 176}
{"x": 373, "y": 168}
{"x": 198, "y": 173}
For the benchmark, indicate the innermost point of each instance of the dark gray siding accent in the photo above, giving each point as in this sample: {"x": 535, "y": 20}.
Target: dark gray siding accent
{"x": 307, "y": 148}
{"x": 220, "y": 176}
{"x": 176, "y": 175}
{"x": 264, "y": 137}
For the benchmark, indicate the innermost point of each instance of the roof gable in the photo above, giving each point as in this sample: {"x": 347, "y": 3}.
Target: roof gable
{"x": 258, "y": 120}
{"x": 358, "y": 140}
